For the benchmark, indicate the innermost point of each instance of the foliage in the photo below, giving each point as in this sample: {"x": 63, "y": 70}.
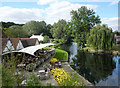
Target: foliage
{"x": 53, "y": 60}
{"x": 8, "y": 24}
{"x": 36, "y": 27}
{"x": 15, "y": 32}
{"x": 60, "y": 31}
{"x": 7, "y": 80}
{"x": 46, "y": 39}
{"x": 30, "y": 66}
{"x": 63, "y": 78}
{"x": 33, "y": 81}
{"x": 61, "y": 54}
{"x": 10, "y": 76}
{"x": 82, "y": 21}
{"x": 101, "y": 37}
{"x": 0, "y": 75}
{"x": 46, "y": 66}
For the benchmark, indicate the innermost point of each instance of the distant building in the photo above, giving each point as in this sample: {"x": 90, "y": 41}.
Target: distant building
{"x": 39, "y": 37}
{"x": 117, "y": 39}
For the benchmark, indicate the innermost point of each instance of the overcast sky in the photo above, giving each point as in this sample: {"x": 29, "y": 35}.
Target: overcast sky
{"x": 51, "y": 11}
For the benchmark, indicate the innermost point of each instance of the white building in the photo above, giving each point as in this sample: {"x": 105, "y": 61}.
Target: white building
{"x": 39, "y": 37}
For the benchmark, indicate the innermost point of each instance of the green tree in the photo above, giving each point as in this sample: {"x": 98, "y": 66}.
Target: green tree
{"x": 101, "y": 37}
{"x": 82, "y": 21}
{"x": 31, "y": 27}
{"x": 60, "y": 31}
{"x": 49, "y": 26}
{"x": 36, "y": 27}
{"x": 15, "y": 31}
{"x": 46, "y": 39}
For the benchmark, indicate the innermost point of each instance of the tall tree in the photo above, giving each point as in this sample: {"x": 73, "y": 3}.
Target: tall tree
{"x": 60, "y": 31}
{"x": 101, "y": 37}
{"x": 83, "y": 20}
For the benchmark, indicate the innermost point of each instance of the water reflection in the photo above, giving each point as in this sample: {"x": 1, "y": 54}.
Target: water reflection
{"x": 98, "y": 69}
{"x": 101, "y": 70}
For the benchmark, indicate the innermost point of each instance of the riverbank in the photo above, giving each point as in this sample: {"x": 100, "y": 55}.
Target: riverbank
{"x": 91, "y": 50}
{"x": 69, "y": 70}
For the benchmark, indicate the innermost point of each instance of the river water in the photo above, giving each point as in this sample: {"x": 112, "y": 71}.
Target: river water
{"x": 101, "y": 70}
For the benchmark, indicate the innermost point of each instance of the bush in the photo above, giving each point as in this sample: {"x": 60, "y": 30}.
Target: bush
{"x": 33, "y": 81}
{"x": 61, "y": 55}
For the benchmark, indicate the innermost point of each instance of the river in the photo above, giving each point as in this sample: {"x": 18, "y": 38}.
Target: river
{"x": 101, "y": 70}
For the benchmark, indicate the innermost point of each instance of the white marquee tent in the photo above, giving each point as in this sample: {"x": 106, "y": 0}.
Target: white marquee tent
{"x": 32, "y": 49}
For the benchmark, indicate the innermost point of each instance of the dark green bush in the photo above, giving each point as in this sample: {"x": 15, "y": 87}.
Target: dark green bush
{"x": 61, "y": 55}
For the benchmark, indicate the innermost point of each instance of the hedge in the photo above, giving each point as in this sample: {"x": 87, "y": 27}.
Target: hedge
{"x": 61, "y": 55}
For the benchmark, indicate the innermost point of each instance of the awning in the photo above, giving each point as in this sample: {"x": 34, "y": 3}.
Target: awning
{"x": 32, "y": 49}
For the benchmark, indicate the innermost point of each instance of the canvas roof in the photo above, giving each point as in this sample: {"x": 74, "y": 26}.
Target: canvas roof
{"x": 32, "y": 49}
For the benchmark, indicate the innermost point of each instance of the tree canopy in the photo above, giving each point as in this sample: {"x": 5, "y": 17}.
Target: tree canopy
{"x": 60, "y": 31}
{"x": 36, "y": 27}
{"x": 101, "y": 37}
{"x": 83, "y": 20}
{"x": 15, "y": 31}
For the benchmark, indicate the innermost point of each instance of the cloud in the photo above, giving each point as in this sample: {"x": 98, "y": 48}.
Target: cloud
{"x": 54, "y": 12}
{"x": 18, "y": 15}
{"x": 61, "y": 10}
{"x": 45, "y": 2}
{"x": 111, "y": 22}
{"x": 91, "y": 0}
{"x": 113, "y": 3}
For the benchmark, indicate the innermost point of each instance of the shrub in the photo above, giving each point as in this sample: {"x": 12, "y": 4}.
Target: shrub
{"x": 53, "y": 60}
{"x": 33, "y": 81}
{"x": 61, "y": 55}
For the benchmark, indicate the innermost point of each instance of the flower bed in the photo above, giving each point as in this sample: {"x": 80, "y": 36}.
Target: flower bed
{"x": 63, "y": 78}
{"x": 59, "y": 75}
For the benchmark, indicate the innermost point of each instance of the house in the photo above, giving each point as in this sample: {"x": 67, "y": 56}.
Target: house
{"x": 39, "y": 37}
{"x": 15, "y": 44}
{"x": 29, "y": 42}
{"x": 117, "y": 39}
{"x": 7, "y": 45}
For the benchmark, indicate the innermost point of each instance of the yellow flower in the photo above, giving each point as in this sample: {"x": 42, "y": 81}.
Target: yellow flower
{"x": 53, "y": 60}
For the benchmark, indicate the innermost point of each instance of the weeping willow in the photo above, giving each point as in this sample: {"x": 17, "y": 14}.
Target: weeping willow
{"x": 101, "y": 37}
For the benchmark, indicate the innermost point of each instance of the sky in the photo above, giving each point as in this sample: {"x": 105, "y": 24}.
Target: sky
{"x": 22, "y": 11}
